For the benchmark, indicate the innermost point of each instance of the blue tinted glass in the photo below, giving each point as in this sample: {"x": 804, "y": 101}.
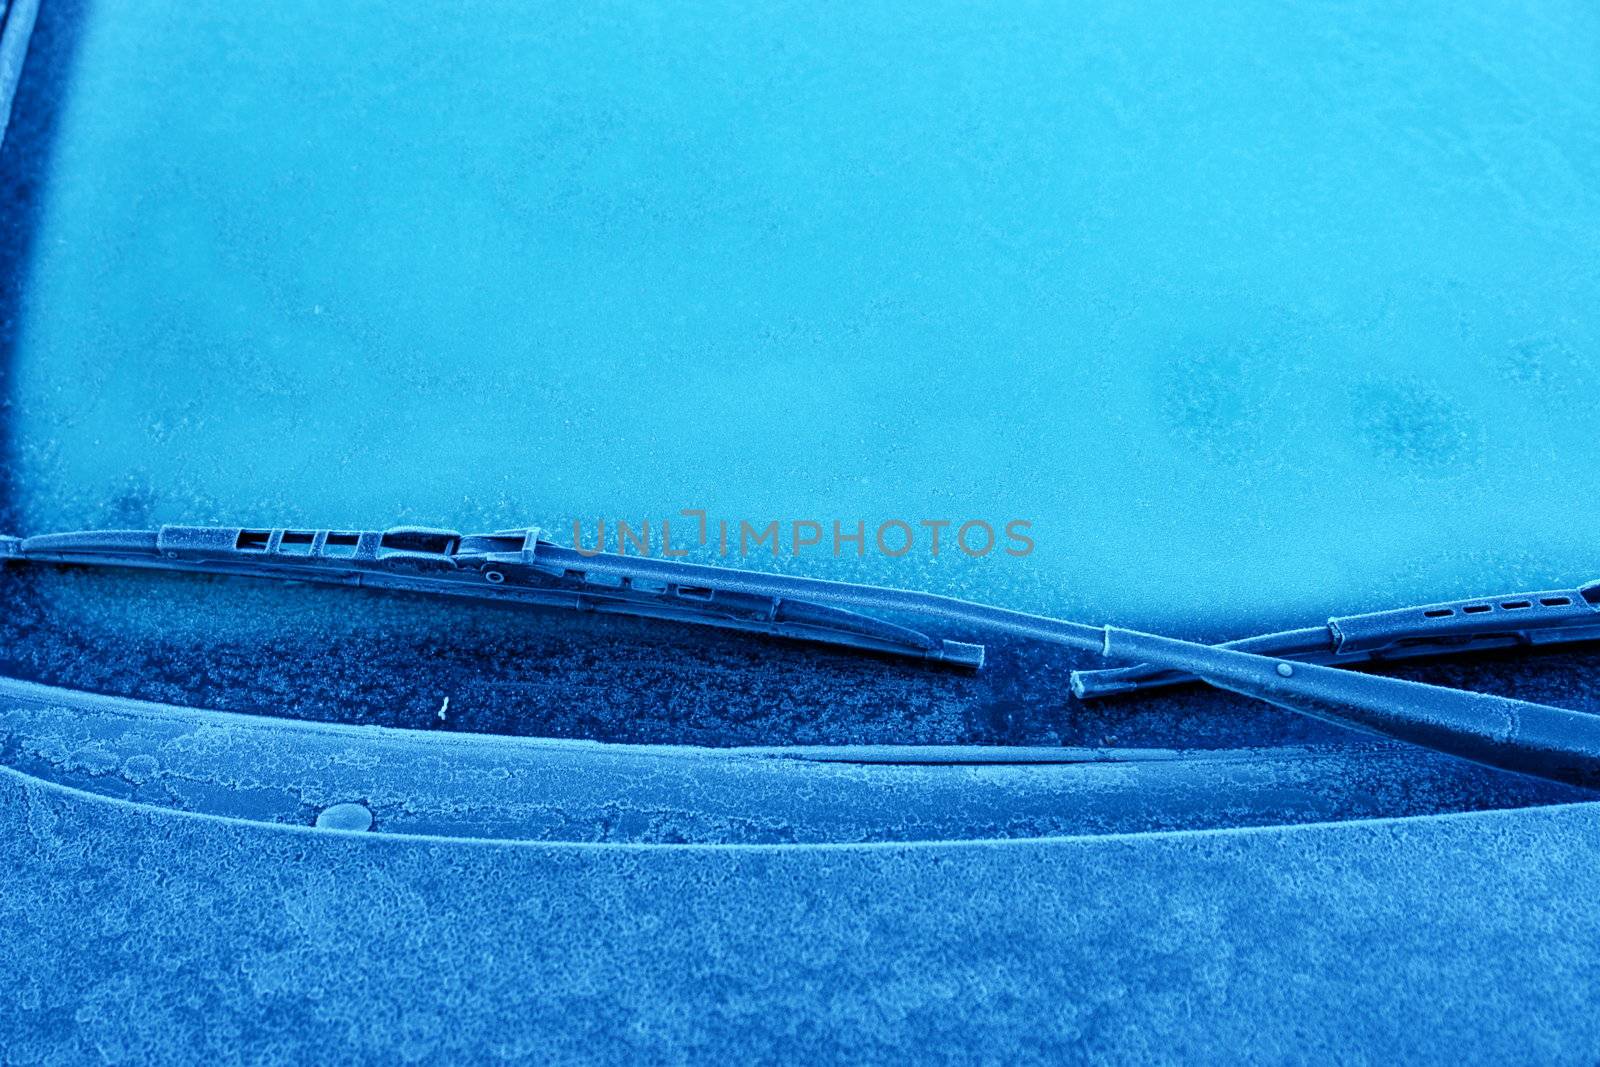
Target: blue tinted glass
{"x": 1257, "y": 314}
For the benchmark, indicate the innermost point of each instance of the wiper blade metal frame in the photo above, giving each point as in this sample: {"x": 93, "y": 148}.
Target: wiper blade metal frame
{"x": 1548, "y": 617}
{"x": 517, "y": 566}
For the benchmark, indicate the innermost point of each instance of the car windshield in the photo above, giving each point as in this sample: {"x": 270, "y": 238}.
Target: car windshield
{"x": 295, "y": 264}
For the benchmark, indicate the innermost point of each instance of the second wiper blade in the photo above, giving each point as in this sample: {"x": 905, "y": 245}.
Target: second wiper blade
{"x": 511, "y": 565}
{"x": 1552, "y": 616}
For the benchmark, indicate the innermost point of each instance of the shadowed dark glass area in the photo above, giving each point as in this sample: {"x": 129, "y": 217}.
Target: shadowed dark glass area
{"x": 344, "y": 655}
{"x": 356, "y": 656}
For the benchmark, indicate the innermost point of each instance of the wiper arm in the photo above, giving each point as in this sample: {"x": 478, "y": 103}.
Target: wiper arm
{"x": 1553, "y": 616}
{"x": 517, "y": 566}
{"x": 1515, "y": 735}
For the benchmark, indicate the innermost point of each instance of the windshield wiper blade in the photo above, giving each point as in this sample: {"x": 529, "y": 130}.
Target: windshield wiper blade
{"x": 1552, "y": 616}
{"x": 1502, "y": 732}
{"x": 517, "y": 566}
